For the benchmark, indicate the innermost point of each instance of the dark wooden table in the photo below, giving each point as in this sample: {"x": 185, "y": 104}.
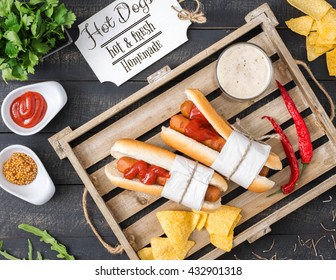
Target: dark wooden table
{"x": 294, "y": 237}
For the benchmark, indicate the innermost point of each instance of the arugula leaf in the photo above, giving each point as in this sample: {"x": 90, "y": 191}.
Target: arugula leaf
{"x": 39, "y": 256}
{"x": 47, "y": 238}
{"x": 30, "y": 250}
{"x": 5, "y": 254}
{"x": 9, "y": 256}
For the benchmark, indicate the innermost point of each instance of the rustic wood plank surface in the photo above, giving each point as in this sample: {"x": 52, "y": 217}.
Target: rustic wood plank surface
{"x": 62, "y": 216}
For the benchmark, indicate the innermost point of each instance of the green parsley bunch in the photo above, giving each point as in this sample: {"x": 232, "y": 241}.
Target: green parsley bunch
{"x": 29, "y": 30}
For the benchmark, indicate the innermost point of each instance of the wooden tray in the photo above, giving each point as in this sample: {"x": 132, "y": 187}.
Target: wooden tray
{"x": 131, "y": 215}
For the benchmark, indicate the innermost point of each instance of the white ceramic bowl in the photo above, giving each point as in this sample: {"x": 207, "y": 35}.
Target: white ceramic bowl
{"x": 244, "y": 71}
{"x": 37, "y": 192}
{"x": 53, "y": 93}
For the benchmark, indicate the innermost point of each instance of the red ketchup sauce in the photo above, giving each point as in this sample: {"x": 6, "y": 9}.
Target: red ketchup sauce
{"x": 28, "y": 109}
{"x": 146, "y": 173}
{"x": 199, "y": 128}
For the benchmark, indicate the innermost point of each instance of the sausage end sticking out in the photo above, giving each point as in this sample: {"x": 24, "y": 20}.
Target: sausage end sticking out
{"x": 212, "y": 193}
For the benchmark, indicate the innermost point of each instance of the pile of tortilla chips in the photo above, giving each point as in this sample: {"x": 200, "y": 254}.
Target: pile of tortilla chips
{"x": 319, "y": 27}
{"x": 178, "y": 226}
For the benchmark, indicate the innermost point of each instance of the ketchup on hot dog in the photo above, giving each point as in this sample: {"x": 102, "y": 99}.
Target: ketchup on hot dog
{"x": 152, "y": 174}
{"x": 193, "y": 124}
{"x": 199, "y": 128}
{"x": 147, "y": 174}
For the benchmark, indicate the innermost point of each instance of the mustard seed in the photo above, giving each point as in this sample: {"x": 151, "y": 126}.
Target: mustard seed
{"x": 20, "y": 169}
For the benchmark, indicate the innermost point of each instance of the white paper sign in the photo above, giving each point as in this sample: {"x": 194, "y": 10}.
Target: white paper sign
{"x": 128, "y": 36}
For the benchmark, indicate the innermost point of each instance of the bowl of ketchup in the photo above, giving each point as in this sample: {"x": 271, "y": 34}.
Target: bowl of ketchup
{"x": 27, "y": 110}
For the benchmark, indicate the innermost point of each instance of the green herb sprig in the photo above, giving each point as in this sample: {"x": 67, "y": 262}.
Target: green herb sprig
{"x": 46, "y": 238}
{"x": 5, "y": 254}
{"x": 28, "y": 31}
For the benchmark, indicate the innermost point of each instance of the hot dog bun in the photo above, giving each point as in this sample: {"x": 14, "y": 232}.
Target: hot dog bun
{"x": 221, "y": 125}
{"x": 206, "y": 155}
{"x": 152, "y": 155}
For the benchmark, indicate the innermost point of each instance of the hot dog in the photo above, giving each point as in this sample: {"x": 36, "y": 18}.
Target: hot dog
{"x": 181, "y": 122}
{"x": 135, "y": 160}
{"x": 201, "y": 133}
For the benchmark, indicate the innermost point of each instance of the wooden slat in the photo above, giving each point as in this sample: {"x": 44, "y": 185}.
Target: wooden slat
{"x": 164, "y": 106}
{"x": 173, "y": 74}
{"x": 251, "y": 203}
{"x": 135, "y": 201}
{"x": 237, "y": 9}
{"x": 96, "y": 148}
{"x": 276, "y": 216}
{"x": 99, "y": 202}
{"x": 227, "y": 109}
{"x": 144, "y": 118}
{"x": 301, "y": 81}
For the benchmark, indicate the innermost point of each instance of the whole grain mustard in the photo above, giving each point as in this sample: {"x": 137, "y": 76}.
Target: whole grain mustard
{"x": 20, "y": 169}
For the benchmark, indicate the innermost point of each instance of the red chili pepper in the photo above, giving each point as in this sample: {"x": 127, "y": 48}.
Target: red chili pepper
{"x": 305, "y": 144}
{"x": 293, "y": 162}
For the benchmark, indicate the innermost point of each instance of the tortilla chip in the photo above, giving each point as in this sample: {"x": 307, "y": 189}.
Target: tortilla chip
{"x": 202, "y": 220}
{"x": 326, "y": 27}
{"x": 331, "y": 62}
{"x": 220, "y": 222}
{"x": 222, "y": 242}
{"x": 323, "y": 48}
{"x": 201, "y": 223}
{"x": 164, "y": 250}
{"x": 312, "y": 38}
{"x": 225, "y": 242}
{"x": 235, "y": 223}
{"x": 301, "y": 25}
{"x": 178, "y": 225}
{"x": 312, "y": 53}
{"x": 323, "y": 41}
{"x": 314, "y": 26}
{"x": 314, "y": 8}
{"x": 146, "y": 254}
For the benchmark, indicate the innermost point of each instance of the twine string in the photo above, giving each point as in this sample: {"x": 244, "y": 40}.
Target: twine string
{"x": 239, "y": 128}
{"x": 241, "y": 159}
{"x": 327, "y": 95}
{"x": 188, "y": 182}
{"x": 113, "y": 250}
{"x": 196, "y": 16}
